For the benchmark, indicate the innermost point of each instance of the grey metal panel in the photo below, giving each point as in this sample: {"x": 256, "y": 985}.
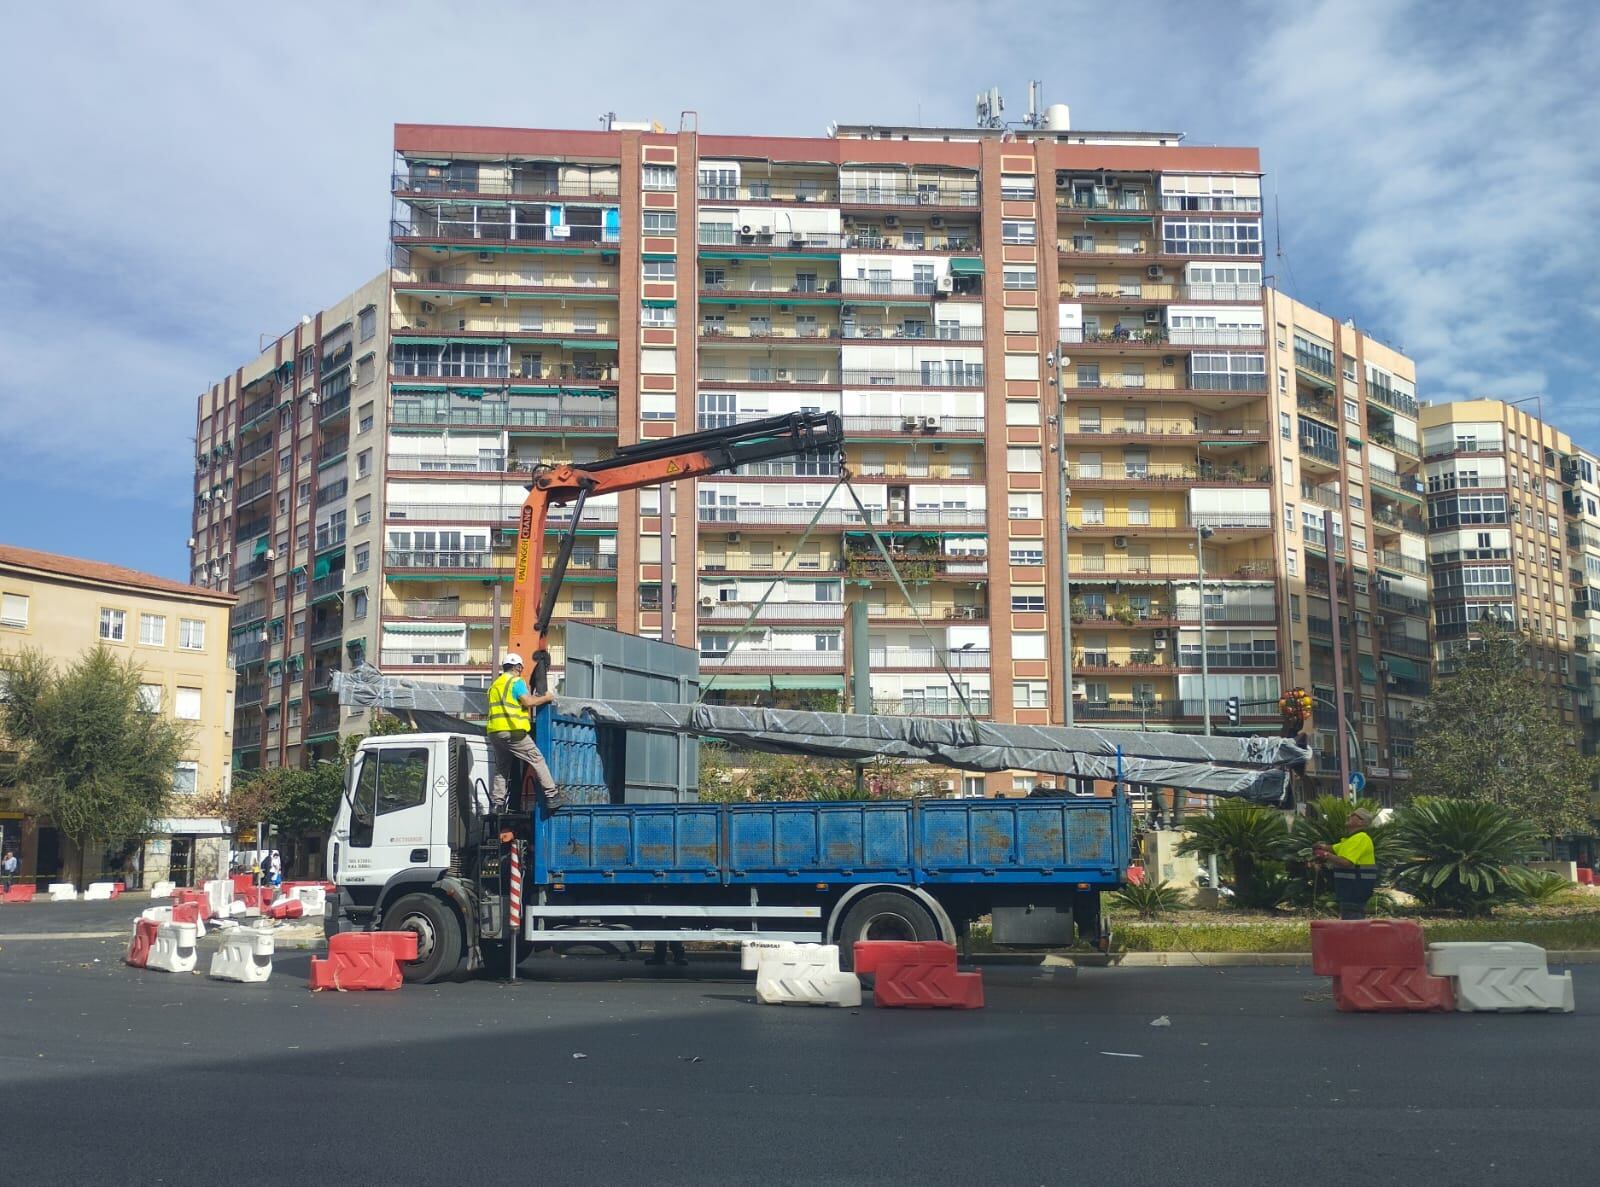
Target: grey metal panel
{"x": 602, "y": 664}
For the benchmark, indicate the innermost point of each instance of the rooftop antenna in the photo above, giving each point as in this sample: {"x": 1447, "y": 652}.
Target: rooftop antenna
{"x": 990, "y": 105}
{"x": 1035, "y": 115}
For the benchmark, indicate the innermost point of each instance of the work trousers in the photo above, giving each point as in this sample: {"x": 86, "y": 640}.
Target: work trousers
{"x": 508, "y": 749}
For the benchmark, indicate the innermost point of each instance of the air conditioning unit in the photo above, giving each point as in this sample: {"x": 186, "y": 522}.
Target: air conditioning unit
{"x": 924, "y": 198}
{"x": 907, "y": 423}
{"x": 734, "y": 537}
{"x": 1383, "y": 665}
{"x": 1160, "y": 637}
{"x": 782, "y": 374}
{"x": 1119, "y": 541}
{"x": 931, "y": 423}
{"x": 891, "y": 220}
{"x": 191, "y": 541}
{"x": 1377, "y": 620}
{"x": 707, "y": 601}
{"x": 939, "y": 447}
{"x": 422, "y": 323}
{"x": 936, "y": 221}
{"x": 1153, "y": 271}
{"x": 427, "y": 307}
{"x": 746, "y": 229}
{"x": 435, "y": 275}
{"x": 947, "y": 284}
{"x": 1152, "y": 317}
{"x": 1080, "y": 688}
{"x": 735, "y": 263}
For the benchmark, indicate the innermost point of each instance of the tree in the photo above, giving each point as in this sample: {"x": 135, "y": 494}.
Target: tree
{"x": 729, "y": 776}
{"x": 1251, "y": 840}
{"x": 1465, "y": 855}
{"x": 1488, "y": 732}
{"x": 92, "y": 758}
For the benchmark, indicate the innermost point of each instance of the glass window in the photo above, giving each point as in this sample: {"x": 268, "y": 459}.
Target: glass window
{"x": 661, "y": 269}
{"x": 192, "y": 634}
{"x": 113, "y": 625}
{"x": 13, "y": 609}
{"x": 186, "y": 706}
{"x": 1021, "y": 278}
{"x": 368, "y": 318}
{"x": 659, "y": 177}
{"x": 150, "y": 698}
{"x": 186, "y": 778}
{"x": 660, "y": 222}
{"x": 153, "y": 630}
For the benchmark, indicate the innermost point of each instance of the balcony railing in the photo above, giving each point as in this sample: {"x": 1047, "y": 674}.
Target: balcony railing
{"x": 781, "y": 239}
{"x": 1215, "y": 337}
{"x": 1389, "y": 478}
{"x": 914, "y": 334}
{"x": 906, "y": 242}
{"x": 478, "y": 513}
{"x": 603, "y": 331}
{"x": 486, "y": 277}
{"x": 513, "y": 186}
{"x": 322, "y": 722}
{"x": 250, "y": 611}
{"x": 251, "y": 491}
{"x": 767, "y": 191}
{"x": 330, "y": 536}
{"x": 333, "y": 492}
{"x": 743, "y": 287}
{"x": 911, "y": 424}
{"x": 1406, "y": 445}
{"x": 1402, "y": 604}
{"x": 419, "y": 228}
{"x": 1390, "y": 559}
{"x": 835, "y": 516}
{"x": 978, "y": 703}
{"x": 800, "y": 376}
{"x": 969, "y": 377}
{"x": 256, "y": 448}
{"x": 1311, "y": 447}
{"x": 337, "y": 447}
{"x": 1389, "y": 398}
{"x": 247, "y": 737}
{"x": 908, "y": 195}
{"x": 248, "y": 694}
{"x": 333, "y": 406}
{"x": 450, "y": 559}
{"x": 1150, "y": 569}
{"x": 327, "y": 632}
{"x": 773, "y": 612}
{"x": 1116, "y": 520}
{"x": 1404, "y": 523}
{"x": 247, "y": 651}
{"x": 769, "y": 333}
{"x": 447, "y": 463}
{"x": 1412, "y": 645}
{"x": 1163, "y": 428}
{"x": 862, "y": 287}
{"x": 327, "y": 586}
{"x": 918, "y": 568}
{"x": 1117, "y": 337}
{"x": 917, "y": 657}
{"x": 580, "y": 416}
{"x": 1317, "y": 365}
{"x": 1155, "y": 472}
{"x": 749, "y": 657}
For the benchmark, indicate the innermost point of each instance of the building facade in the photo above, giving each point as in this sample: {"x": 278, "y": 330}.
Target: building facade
{"x": 1347, "y": 449}
{"x": 178, "y": 634}
{"x": 287, "y": 516}
{"x": 557, "y": 294}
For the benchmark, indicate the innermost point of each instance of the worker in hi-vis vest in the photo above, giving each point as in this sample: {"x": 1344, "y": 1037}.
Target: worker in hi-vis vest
{"x": 511, "y": 735}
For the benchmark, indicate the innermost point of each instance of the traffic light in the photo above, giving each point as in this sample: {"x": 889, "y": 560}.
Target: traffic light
{"x": 1295, "y": 706}
{"x": 1233, "y": 710}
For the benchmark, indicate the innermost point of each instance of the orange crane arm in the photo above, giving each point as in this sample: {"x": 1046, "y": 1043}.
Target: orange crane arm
{"x": 647, "y": 463}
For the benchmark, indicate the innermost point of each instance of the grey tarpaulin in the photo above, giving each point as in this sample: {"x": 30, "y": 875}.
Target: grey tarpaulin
{"x": 1252, "y": 768}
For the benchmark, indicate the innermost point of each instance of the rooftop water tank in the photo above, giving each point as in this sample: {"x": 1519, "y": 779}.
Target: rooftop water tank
{"x": 1057, "y": 118}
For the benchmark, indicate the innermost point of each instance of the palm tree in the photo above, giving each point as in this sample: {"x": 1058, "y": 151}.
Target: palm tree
{"x": 1249, "y": 839}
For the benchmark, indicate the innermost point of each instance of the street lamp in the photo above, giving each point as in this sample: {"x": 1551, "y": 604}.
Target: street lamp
{"x": 1059, "y": 361}
{"x": 1202, "y": 533}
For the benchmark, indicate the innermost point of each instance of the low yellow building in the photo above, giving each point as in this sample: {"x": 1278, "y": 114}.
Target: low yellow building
{"x": 63, "y": 606}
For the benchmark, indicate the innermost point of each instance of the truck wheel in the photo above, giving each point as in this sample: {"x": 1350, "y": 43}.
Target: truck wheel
{"x": 438, "y": 936}
{"x": 883, "y": 916}
{"x": 1086, "y": 918}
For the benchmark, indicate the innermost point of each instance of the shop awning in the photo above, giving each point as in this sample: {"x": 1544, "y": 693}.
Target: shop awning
{"x": 966, "y": 266}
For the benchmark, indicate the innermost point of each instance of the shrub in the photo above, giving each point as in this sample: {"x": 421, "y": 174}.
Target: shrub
{"x": 1251, "y": 841}
{"x": 1462, "y": 855}
{"x": 1149, "y": 899}
{"x": 1542, "y": 887}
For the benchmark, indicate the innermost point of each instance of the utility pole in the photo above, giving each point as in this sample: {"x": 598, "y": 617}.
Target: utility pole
{"x": 1063, "y": 496}
{"x": 1338, "y": 654}
{"x": 1202, "y": 533}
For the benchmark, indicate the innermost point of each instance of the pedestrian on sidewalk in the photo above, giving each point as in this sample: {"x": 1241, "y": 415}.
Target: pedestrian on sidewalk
{"x": 8, "y": 869}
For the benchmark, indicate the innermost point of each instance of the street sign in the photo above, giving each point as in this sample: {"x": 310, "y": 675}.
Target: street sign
{"x": 1358, "y": 782}
{"x": 247, "y": 836}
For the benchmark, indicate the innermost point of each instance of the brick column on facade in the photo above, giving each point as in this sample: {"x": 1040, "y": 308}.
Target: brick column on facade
{"x": 629, "y": 280}
{"x": 685, "y": 496}
{"x": 1057, "y": 604}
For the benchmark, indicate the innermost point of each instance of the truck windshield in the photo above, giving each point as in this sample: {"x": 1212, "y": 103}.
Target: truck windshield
{"x": 389, "y": 780}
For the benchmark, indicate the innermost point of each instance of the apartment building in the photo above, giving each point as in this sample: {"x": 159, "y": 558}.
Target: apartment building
{"x": 1348, "y": 466}
{"x": 1507, "y": 514}
{"x": 556, "y": 294}
{"x": 1581, "y": 502}
{"x": 63, "y": 606}
{"x": 288, "y": 517}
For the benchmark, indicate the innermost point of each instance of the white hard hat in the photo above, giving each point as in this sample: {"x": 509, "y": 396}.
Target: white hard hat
{"x": 512, "y": 659}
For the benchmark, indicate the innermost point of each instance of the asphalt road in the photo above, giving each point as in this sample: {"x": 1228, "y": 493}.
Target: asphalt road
{"x": 114, "y": 1074}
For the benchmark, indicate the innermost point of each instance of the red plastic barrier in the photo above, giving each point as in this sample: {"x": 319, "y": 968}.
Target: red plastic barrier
{"x": 20, "y": 894}
{"x": 1366, "y": 943}
{"x": 184, "y": 894}
{"x": 918, "y": 975}
{"x": 242, "y": 883}
{"x": 186, "y": 913}
{"x": 1136, "y": 875}
{"x": 363, "y": 960}
{"x": 287, "y": 909}
{"x": 1585, "y": 877}
{"x": 144, "y": 936}
{"x": 117, "y": 888}
{"x": 1391, "y": 989}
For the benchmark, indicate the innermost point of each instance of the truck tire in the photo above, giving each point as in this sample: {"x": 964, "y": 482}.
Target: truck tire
{"x": 1087, "y": 919}
{"x": 438, "y": 935}
{"x": 883, "y": 915}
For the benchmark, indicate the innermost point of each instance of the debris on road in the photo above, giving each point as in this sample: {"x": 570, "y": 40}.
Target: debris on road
{"x": 1162, "y": 1021}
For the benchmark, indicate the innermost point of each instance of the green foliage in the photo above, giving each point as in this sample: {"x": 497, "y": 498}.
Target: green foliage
{"x": 1250, "y": 841}
{"x": 1324, "y": 824}
{"x": 1489, "y": 733}
{"x": 294, "y": 799}
{"x": 1149, "y": 899}
{"x": 91, "y": 757}
{"x": 1294, "y": 935}
{"x": 1543, "y": 887}
{"x": 730, "y": 776}
{"x": 1462, "y": 855}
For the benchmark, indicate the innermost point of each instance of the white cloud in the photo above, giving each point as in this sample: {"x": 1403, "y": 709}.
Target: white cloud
{"x": 1438, "y": 162}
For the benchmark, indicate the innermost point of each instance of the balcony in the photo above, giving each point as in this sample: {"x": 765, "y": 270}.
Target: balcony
{"x": 854, "y": 332}
{"x": 1400, "y": 522}
{"x": 330, "y": 631}
{"x": 966, "y": 377}
{"x": 919, "y": 658}
{"x": 1155, "y": 431}
{"x": 1403, "y": 605}
{"x": 247, "y": 737}
{"x": 910, "y": 242}
{"x": 942, "y": 194}
{"x": 443, "y": 463}
{"x": 1395, "y": 441}
{"x": 246, "y": 612}
{"x": 1319, "y": 405}
{"x": 763, "y": 191}
{"x": 261, "y": 445}
{"x": 487, "y": 278}
{"x": 1084, "y": 520}
{"x": 837, "y": 516}
{"x": 1391, "y": 399}
{"x": 907, "y": 424}
{"x": 333, "y": 492}
{"x": 251, "y": 491}
{"x": 470, "y": 230}
{"x": 871, "y": 566}
{"x": 246, "y": 650}
{"x": 978, "y": 703}
{"x": 779, "y": 292}
{"x": 773, "y": 612}
{"x": 248, "y": 694}
{"x": 1156, "y": 710}
{"x": 1306, "y": 360}
{"x": 1072, "y": 335}
{"x": 781, "y": 239}
{"x": 917, "y": 290}
{"x": 595, "y": 415}
{"x": 333, "y": 406}
{"x": 712, "y": 334}
{"x": 498, "y": 513}
{"x": 770, "y": 376}
{"x": 322, "y": 723}
{"x": 1155, "y": 473}
{"x": 1388, "y": 558}
{"x": 1167, "y": 617}
{"x": 330, "y": 536}
{"x": 256, "y": 408}
{"x": 1150, "y": 570}
{"x": 752, "y": 658}
{"x": 516, "y": 185}
{"x": 1123, "y": 293}
{"x": 1311, "y": 449}
{"x": 334, "y": 448}
{"x": 1401, "y": 482}
{"x": 1400, "y": 644}
{"x": 452, "y": 561}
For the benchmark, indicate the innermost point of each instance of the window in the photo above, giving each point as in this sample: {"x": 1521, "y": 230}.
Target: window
{"x": 358, "y": 604}
{"x": 659, "y": 316}
{"x": 363, "y": 556}
{"x": 1021, "y": 278}
{"x": 1292, "y": 559}
{"x": 153, "y": 630}
{"x": 1027, "y": 554}
{"x": 1211, "y": 237}
{"x": 192, "y": 634}
{"x": 659, "y": 177}
{"x": 1020, "y": 230}
{"x": 1028, "y": 645}
{"x": 1024, "y": 460}
{"x": 113, "y": 625}
{"x": 302, "y": 493}
{"x": 1024, "y": 505}
{"x": 368, "y": 319}
{"x": 1351, "y": 412}
{"x": 1029, "y": 694}
{"x": 1017, "y": 187}
{"x": 366, "y": 370}
{"x": 660, "y": 222}
{"x": 186, "y": 778}
{"x": 150, "y": 698}
{"x": 14, "y": 610}
{"x": 1026, "y": 599}
{"x": 365, "y": 418}
{"x": 186, "y": 706}
{"x": 661, "y": 269}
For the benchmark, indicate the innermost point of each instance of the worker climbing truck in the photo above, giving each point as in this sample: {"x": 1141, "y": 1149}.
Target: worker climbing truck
{"x": 415, "y": 845}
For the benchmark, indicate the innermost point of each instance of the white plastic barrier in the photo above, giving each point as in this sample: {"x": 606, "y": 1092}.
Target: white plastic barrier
{"x": 1502, "y": 978}
{"x": 245, "y": 955}
{"x": 157, "y": 914}
{"x": 100, "y": 892}
{"x": 173, "y": 951}
{"x": 799, "y": 974}
{"x": 219, "y": 896}
{"x": 63, "y": 892}
{"x": 162, "y": 889}
{"x": 313, "y": 898}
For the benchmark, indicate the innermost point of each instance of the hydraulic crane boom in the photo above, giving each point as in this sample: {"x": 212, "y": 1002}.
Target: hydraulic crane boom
{"x": 646, "y": 463}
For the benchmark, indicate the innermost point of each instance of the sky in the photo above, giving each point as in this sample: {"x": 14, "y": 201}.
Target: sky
{"x": 182, "y": 179}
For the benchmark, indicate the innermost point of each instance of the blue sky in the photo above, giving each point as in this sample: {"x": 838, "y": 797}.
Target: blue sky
{"x": 182, "y": 179}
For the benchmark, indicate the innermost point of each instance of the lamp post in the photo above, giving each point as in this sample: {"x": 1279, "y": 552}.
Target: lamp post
{"x": 1059, "y": 361}
{"x": 1201, "y": 535}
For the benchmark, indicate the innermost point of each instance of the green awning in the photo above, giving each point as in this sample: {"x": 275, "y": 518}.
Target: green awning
{"x": 1399, "y": 665}
{"x": 423, "y": 628}
{"x": 320, "y": 569}
{"x": 966, "y": 266}
{"x": 658, "y": 303}
{"x": 749, "y": 683}
{"x": 1369, "y": 670}
{"x": 297, "y": 570}
{"x": 1143, "y": 220}
{"x": 1353, "y": 442}
{"x": 261, "y": 547}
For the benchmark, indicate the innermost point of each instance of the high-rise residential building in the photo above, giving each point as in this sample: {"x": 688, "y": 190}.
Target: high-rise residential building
{"x": 288, "y": 516}
{"x": 1346, "y": 445}
{"x": 177, "y": 635}
{"x": 556, "y": 294}
{"x": 1581, "y": 502}
{"x": 1501, "y": 486}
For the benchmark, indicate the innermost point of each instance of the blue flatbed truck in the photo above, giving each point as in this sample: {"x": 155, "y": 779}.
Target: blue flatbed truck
{"x": 415, "y": 847}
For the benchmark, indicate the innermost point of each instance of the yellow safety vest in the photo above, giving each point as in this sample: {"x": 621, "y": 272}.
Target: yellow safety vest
{"x": 505, "y": 713}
